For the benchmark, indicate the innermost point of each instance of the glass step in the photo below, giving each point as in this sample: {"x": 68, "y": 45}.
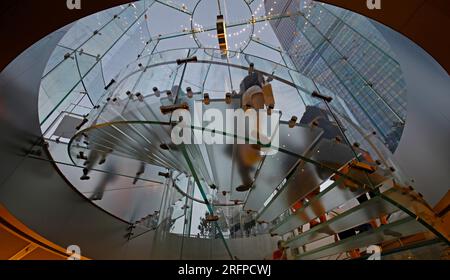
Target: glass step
{"x": 275, "y": 168}
{"x": 308, "y": 177}
{"x": 404, "y": 227}
{"x": 414, "y": 205}
{"x": 331, "y": 198}
{"x": 361, "y": 214}
{"x": 221, "y": 156}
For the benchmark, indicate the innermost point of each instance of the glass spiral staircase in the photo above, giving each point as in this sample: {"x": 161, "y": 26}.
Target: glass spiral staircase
{"x": 131, "y": 124}
{"x": 317, "y": 171}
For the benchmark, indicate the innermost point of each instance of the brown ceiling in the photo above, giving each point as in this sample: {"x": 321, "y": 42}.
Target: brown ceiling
{"x": 18, "y": 242}
{"x": 13, "y": 243}
{"x": 426, "y": 22}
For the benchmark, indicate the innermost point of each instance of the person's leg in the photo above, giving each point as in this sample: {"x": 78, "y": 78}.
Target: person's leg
{"x": 301, "y": 213}
{"x": 363, "y": 198}
{"x": 317, "y": 207}
{"x": 244, "y": 172}
{"x": 247, "y": 157}
{"x": 383, "y": 220}
{"x": 355, "y": 253}
{"x": 90, "y": 163}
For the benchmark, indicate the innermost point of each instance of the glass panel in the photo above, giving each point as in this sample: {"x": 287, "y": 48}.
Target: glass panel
{"x": 275, "y": 168}
{"x": 363, "y": 213}
{"x": 405, "y": 227}
{"x": 427, "y": 250}
{"x": 216, "y": 219}
{"x": 221, "y": 155}
{"x": 57, "y": 85}
{"x": 324, "y": 202}
{"x": 308, "y": 177}
{"x": 414, "y": 205}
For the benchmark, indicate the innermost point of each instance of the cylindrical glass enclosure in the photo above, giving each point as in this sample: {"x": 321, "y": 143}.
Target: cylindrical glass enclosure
{"x": 221, "y": 154}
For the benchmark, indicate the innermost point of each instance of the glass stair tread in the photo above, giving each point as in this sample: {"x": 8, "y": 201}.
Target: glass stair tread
{"x": 221, "y": 156}
{"x": 331, "y": 198}
{"x": 361, "y": 214}
{"x": 404, "y": 227}
{"x": 414, "y": 205}
{"x": 275, "y": 168}
{"x": 308, "y": 177}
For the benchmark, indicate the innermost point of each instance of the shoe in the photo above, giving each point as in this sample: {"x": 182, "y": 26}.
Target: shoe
{"x": 85, "y": 178}
{"x": 212, "y": 218}
{"x": 392, "y": 233}
{"x": 313, "y": 223}
{"x": 243, "y": 188}
{"x": 96, "y": 197}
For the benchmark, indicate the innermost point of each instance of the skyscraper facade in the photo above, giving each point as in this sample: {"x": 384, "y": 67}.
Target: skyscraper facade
{"x": 345, "y": 53}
